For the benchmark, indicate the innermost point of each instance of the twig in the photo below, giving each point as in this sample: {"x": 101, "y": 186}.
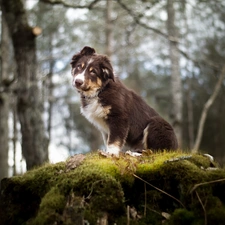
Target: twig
{"x": 145, "y": 200}
{"x": 128, "y": 215}
{"x": 159, "y": 190}
{"x": 202, "y": 207}
{"x": 154, "y": 211}
{"x": 210, "y": 182}
{"x": 137, "y": 19}
{"x": 92, "y": 188}
{"x": 67, "y": 5}
{"x": 205, "y": 110}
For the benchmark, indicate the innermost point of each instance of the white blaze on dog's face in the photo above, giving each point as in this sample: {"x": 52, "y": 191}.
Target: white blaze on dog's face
{"x": 79, "y": 72}
{"x": 85, "y": 77}
{"x": 90, "y": 72}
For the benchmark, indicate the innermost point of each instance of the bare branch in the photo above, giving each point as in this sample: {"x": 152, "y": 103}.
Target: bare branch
{"x": 138, "y": 21}
{"x": 145, "y": 208}
{"x": 63, "y": 3}
{"x": 205, "y": 183}
{"x": 204, "y": 61}
{"x": 202, "y": 207}
{"x": 205, "y": 110}
{"x": 128, "y": 215}
{"x": 158, "y": 189}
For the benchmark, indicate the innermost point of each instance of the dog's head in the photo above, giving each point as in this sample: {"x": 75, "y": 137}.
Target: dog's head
{"x": 90, "y": 71}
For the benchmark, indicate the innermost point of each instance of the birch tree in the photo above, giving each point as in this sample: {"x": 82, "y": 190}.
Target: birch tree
{"x": 4, "y": 100}
{"x": 34, "y": 140}
{"x": 109, "y": 28}
{"x": 176, "y": 84}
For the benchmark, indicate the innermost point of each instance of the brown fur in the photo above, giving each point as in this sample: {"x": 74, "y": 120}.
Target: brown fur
{"x": 120, "y": 114}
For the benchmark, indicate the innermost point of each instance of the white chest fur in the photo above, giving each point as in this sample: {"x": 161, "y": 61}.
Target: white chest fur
{"x": 96, "y": 114}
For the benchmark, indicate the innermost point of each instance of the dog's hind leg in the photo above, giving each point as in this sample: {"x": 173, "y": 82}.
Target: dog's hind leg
{"x": 159, "y": 135}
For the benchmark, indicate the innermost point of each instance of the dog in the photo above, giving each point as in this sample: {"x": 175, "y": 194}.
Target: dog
{"x": 121, "y": 115}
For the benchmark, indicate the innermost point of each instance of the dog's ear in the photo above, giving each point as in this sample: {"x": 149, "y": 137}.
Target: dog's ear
{"x": 75, "y": 58}
{"x": 85, "y": 51}
{"x": 107, "y": 68}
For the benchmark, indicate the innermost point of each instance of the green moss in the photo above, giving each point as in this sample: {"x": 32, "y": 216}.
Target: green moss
{"x": 200, "y": 161}
{"x": 182, "y": 217}
{"x": 106, "y": 164}
{"x": 152, "y": 184}
{"x": 40, "y": 179}
{"x": 216, "y": 215}
{"x": 51, "y": 208}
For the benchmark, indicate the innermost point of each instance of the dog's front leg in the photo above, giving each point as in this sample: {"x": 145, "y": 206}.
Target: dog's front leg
{"x": 104, "y": 137}
{"x": 116, "y": 138}
{"x": 113, "y": 149}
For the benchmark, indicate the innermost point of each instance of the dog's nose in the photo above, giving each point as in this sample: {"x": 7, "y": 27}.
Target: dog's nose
{"x": 78, "y": 82}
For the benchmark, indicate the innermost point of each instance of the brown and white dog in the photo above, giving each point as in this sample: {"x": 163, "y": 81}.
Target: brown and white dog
{"x": 121, "y": 115}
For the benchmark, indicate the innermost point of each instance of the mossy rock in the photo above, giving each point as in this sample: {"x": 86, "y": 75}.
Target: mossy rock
{"x": 95, "y": 189}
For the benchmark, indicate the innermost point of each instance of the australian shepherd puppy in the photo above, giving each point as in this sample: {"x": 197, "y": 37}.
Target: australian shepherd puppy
{"x": 120, "y": 114}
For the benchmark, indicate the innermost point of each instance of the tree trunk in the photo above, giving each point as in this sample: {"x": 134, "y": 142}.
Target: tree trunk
{"x": 189, "y": 101}
{"x": 50, "y": 87}
{"x": 34, "y": 141}
{"x": 15, "y": 137}
{"x": 176, "y": 84}
{"x": 190, "y": 115}
{"x": 109, "y": 28}
{"x": 205, "y": 110}
{"x": 4, "y": 101}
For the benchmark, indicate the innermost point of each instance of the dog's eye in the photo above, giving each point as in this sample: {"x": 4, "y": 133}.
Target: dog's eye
{"x": 92, "y": 71}
{"x": 79, "y": 67}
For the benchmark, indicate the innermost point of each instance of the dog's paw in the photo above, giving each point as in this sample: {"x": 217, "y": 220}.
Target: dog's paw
{"x": 134, "y": 154}
{"x": 103, "y": 153}
{"x": 113, "y": 150}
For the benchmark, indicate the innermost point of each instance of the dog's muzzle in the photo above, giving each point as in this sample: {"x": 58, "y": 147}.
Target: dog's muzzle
{"x": 78, "y": 83}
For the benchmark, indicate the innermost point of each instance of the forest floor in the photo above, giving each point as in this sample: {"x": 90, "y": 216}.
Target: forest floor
{"x": 165, "y": 187}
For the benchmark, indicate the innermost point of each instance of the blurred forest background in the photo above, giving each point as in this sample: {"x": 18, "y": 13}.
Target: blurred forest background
{"x": 171, "y": 52}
